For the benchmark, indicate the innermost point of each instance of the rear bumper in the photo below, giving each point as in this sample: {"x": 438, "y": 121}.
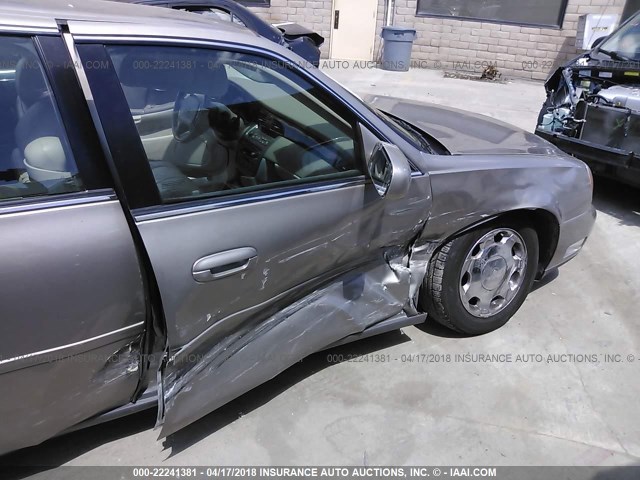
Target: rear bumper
{"x": 606, "y": 161}
{"x": 573, "y": 235}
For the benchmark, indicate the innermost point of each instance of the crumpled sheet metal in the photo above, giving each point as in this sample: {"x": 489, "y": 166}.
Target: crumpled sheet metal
{"x": 385, "y": 288}
{"x": 419, "y": 259}
{"x": 109, "y": 375}
{"x": 362, "y": 267}
{"x": 123, "y": 363}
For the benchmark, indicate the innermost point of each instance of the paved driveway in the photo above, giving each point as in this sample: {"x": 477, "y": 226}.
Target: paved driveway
{"x": 549, "y": 395}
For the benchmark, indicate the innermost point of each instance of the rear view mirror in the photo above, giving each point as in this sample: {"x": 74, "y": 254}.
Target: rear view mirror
{"x": 389, "y": 170}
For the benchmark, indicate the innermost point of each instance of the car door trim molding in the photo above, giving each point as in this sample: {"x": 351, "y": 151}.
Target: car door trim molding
{"x": 213, "y": 203}
{"x": 27, "y": 30}
{"x": 30, "y": 204}
{"x": 64, "y": 351}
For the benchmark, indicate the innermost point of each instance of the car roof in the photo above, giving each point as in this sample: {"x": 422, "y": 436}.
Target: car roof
{"x": 116, "y": 18}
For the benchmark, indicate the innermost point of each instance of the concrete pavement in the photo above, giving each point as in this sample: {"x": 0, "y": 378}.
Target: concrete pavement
{"x": 515, "y": 102}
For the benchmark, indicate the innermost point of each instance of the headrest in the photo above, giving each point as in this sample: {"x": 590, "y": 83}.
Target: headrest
{"x": 163, "y": 70}
{"x": 45, "y": 159}
{"x": 30, "y": 82}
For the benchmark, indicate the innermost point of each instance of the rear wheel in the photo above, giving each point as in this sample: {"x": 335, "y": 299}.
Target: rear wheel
{"x": 477, "y": 281}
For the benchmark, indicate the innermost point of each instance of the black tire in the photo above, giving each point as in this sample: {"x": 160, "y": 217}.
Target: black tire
{"x": 440, "y": 295}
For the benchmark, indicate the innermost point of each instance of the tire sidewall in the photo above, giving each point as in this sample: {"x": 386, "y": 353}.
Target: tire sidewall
{"x": 460, "y": 247}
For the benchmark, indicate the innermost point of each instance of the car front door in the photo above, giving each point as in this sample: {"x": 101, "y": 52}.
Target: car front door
{"x": 266, "y": 238}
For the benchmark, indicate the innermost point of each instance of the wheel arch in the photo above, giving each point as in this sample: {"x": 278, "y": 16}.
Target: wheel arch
{"x": 544, "y": 222}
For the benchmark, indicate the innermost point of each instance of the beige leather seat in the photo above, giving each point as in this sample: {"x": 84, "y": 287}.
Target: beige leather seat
{"x": 39, "y": 134}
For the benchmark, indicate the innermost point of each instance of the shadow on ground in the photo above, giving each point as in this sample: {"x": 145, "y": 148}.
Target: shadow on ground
{"x": 438, "y": 330}
{"x": 58, "y": 451}
{"x": 261, "y": 395}
{"x": 620, "y": 201}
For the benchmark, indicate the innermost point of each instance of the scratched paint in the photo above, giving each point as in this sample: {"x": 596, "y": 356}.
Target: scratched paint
{"x": 344, "y": 306}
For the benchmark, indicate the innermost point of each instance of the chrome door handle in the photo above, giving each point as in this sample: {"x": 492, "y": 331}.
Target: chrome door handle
{"x": 223, "y": 264}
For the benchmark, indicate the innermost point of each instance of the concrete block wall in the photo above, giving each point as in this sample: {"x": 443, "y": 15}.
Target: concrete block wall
{"x": 462, "y": 45}
{"x": 517, "y": 51}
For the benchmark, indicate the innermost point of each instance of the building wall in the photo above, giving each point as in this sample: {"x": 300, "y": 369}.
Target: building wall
{"x": 525, "y": 52}
{"x": 470, "y": 46}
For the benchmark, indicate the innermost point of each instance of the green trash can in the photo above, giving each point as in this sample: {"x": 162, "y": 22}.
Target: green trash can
{"x": 396, "y": 51}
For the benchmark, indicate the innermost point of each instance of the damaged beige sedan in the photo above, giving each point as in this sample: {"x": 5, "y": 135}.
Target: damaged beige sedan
{"x": 185, "y": 213}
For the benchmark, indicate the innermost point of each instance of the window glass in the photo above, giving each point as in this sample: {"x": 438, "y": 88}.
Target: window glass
{"x": 626, "y": 41}
{"x": 236, "y": 122}
{"x": 35, "y": 158}
{"x": 524, "y": 12}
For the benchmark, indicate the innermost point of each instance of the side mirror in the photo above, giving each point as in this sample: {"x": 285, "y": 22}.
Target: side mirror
{"x": 390, "y": 171}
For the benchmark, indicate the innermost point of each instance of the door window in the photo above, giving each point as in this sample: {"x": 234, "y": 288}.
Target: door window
{"x": 35, "y": 158}
{"x": 229, "y": 122}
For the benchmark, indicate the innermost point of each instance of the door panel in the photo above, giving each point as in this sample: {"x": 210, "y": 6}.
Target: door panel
{"x": 259, "y": 269}
{"x": 72, "y": 314}
{"x": 71, "y": 291}
{"x": 296, "y": 239}
{"x": 282, "y": 332}
{"x": 328, "y": 264}
{"x": 353, "y": 29}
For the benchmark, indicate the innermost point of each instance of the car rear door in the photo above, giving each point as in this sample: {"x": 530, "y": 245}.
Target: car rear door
{"x": 291, "y": 254}
{"x": 73, "y": 303}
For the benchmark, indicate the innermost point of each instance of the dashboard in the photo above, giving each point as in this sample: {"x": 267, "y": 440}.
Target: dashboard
{"x": 271, "y": 149}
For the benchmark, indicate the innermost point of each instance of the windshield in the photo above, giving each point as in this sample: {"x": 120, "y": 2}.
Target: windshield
{"x": 625, "y": 41}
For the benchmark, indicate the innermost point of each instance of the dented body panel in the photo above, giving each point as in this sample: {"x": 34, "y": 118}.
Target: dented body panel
{"x": 506, "y": 170}
{"x": 503, "y": 170}
{"x": 317, "y": 279}
{"x": 463, "y": 132}
{"x": 386, "y": 248}
{"x": 72, "y": 317}
{"x": 311, "y": 265}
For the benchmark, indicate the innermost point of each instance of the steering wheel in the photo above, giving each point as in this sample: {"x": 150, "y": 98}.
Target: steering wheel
{"x": 342, "y": 161}
{"x": 189, "y": 116}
